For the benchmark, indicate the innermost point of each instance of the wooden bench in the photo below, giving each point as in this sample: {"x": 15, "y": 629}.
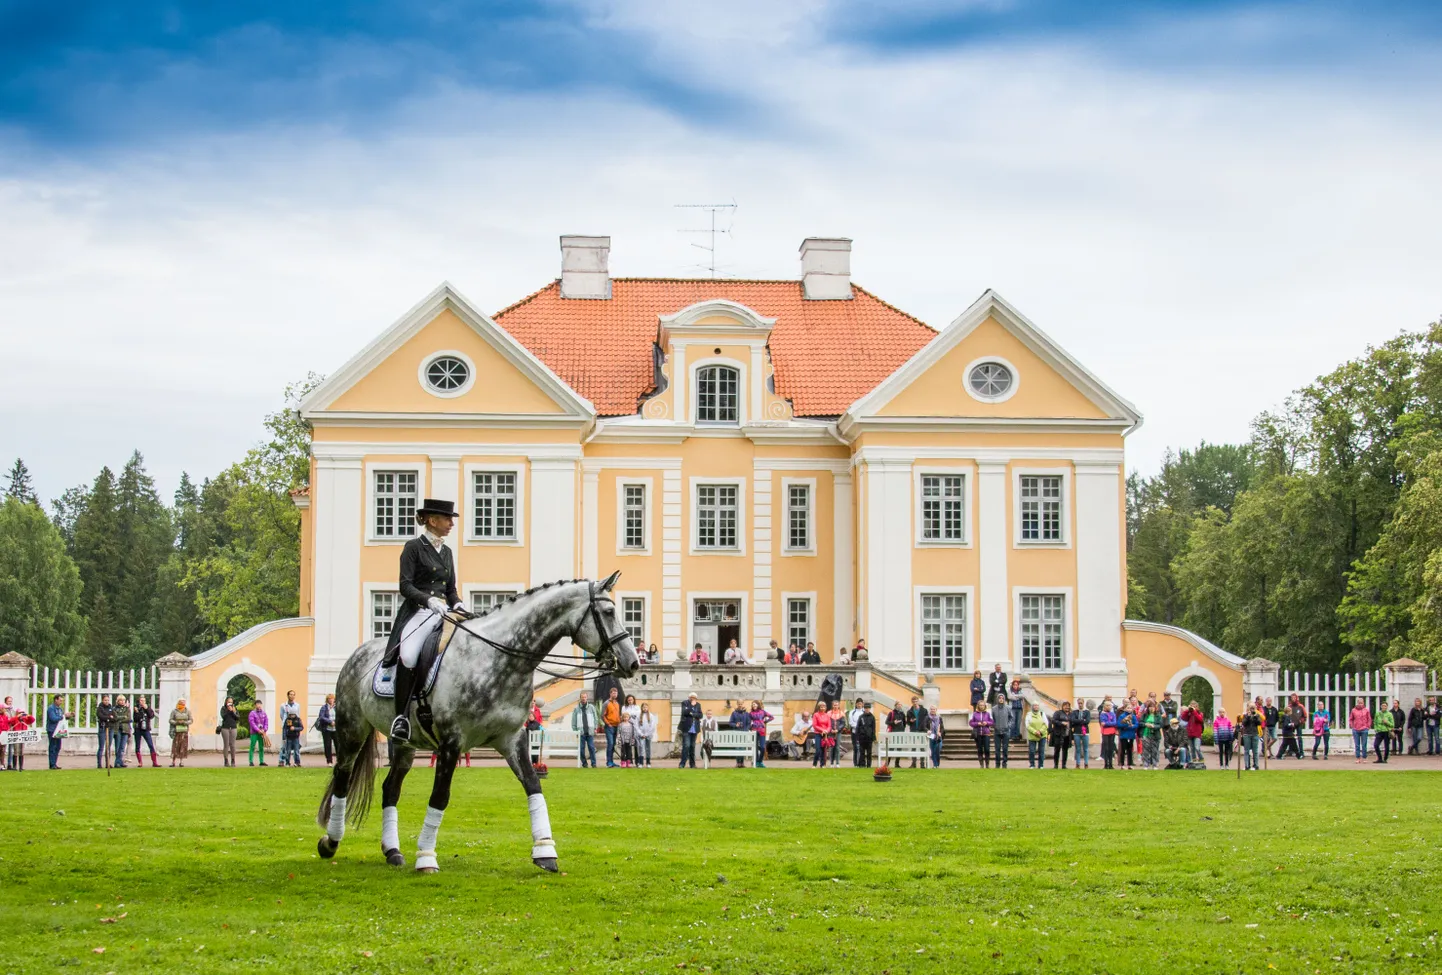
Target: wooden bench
{"x": 904, "y": 744}
{"x": 551, "y": 742}
{"x": 730, "y": 744}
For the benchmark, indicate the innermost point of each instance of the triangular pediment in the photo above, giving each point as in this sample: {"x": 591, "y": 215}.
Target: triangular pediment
{"x": 1045, "y": 382}
{"x": 388, "y": 375}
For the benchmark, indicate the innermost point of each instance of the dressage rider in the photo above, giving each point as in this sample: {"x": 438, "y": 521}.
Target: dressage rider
{"x": 428, "y": 590}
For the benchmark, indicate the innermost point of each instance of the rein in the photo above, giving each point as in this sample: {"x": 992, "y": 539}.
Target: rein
{"x": 580, "y": 671}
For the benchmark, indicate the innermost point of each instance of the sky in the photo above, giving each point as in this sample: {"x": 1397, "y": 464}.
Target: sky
{"x": 1208, "y": 203}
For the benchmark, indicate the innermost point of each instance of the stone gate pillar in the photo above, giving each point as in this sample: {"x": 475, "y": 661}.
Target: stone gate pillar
{"x": 15, "y": 669}
{"x": 1259, "y": 679}
{"x": 1406, "y": 681}
{"x": 174, "y": 685}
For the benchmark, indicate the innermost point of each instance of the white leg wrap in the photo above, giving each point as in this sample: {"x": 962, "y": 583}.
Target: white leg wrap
{"x": 390, "y": 828}
{"x": 335, "y": 829}
{"x": 544, "y": 846}
{"x": 426, "y": 844}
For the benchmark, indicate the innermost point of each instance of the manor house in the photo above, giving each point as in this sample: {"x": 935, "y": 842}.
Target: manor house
{"x": 793, "y": 460}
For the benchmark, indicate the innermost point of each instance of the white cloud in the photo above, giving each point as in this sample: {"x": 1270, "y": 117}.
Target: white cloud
{"x": 1204, "y": 245}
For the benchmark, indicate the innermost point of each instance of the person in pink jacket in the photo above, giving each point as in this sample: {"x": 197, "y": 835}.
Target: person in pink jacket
{"x": 1360, "y": 721}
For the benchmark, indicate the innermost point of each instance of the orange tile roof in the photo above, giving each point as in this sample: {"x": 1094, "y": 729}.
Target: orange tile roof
{"x": 827, "y": 354}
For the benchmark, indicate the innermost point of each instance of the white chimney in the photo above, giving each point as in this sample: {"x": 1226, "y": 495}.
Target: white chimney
{"x": 826, "y": 267}
{"x": 585, "y": 266}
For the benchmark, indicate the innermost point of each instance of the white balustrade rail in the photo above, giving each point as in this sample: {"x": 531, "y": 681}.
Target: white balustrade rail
{"x": 1338, "y": 692}
{"x": 81, "y": 691}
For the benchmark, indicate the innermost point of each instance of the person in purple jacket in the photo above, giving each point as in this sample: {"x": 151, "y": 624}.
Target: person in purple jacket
{"x": 259, "y": 725}
{"x": 759, "y": 717}
{"x": 982, "y": 726}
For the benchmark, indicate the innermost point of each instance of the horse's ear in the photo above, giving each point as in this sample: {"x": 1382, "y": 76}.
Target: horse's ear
{"x": 609, "y": 582}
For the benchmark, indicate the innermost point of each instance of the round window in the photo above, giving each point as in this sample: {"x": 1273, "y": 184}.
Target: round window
{"x": 990, "y": 380}
{"x": 446, "y": 374}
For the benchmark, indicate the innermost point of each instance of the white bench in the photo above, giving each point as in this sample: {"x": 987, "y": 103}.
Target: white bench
{"x": 550, "y": 742}
{"x": 905, "y": 744}
{"x": 730, "y": 744}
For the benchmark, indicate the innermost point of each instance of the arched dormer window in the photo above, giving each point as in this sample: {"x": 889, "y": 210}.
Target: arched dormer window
{"x": 718, "y": 395}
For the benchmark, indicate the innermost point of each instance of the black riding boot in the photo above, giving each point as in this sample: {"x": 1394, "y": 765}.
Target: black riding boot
{"x": 405, "y": 686}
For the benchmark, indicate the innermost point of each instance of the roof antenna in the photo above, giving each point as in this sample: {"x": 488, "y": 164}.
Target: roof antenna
{"x": 711, "y": 232}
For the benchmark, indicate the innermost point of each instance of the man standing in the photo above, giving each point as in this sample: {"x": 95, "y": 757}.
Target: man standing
{"x": 996, "y": 683}
{"x": 689, "y": 727}
{"x": 120, "y": 728}
{"x": 1170, "y": 709}
{"x": 865, "y": 735}
{"x": 1434, "y": 725}
{"x": 54, "y": 714}
{"x": 611, "y": 720}
{"x": 740, "y": 721}
{"x": 1272, "y": 717}
{"x": 104, "y": 728}
{"x": 1018, "y": 709}
{"x": 811, "y": 656}
{"x": 583, "y": 722}
{"x": 853, "y": 720}
{"x": 286, "y": 710}
{"x": 1298, "y": 711}
{"x": 1001, "y": 716}
{"x": 773, "y": 652}
{"x": 916, "y": 719}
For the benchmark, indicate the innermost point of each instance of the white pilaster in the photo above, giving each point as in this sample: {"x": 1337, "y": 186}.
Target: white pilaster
{"x": 338, "y": 497}
{"x": 1099, "y": 668}
{"x": 446, "y": 478}
{"x": 553, "y": 520}
{"x": 671, "y": 623}
{"x": 888, "y": 570}
{"x": 678, "y": 383}
{"x": 761, "y": 562}
{"x": 591, "y": 521}
{"x": 758, "y": 383}
{"x": 992, "y": 540}
{"x": 842, "y": 518}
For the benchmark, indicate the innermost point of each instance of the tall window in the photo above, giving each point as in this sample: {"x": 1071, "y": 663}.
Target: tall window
{"x": 395, "y": 504}
{"x": 633, "y": 618}
{"x": 718, "y": 396}
{"x": 383, "y": 612}
{"x": 494, "y": 515}
{"x": 1042, "y": 622}
{"x": 1041, "y": 508}
{"x": 634, "y": 514}
{"x": 941, "y": 508}
{"x": 798, "y": 516}
{"x": 716, "y": 515}
{"x": 798, "y": 622}
{"x": 484, "y": 602}
{"x": 943, "y": 632}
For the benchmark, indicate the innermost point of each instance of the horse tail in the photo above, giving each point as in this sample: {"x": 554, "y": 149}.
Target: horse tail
{"x": 362, "y": 785}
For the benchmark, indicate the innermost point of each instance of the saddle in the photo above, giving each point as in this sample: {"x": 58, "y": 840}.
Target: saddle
{"x": 428, "y": 664}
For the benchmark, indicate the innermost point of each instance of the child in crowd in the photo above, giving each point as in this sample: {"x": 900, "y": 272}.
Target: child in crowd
{"x": 1224, "y": 735}
{"x": 291, "y": 727}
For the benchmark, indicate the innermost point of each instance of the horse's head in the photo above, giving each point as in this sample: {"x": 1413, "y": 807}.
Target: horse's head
{"x": 601, "y": 633}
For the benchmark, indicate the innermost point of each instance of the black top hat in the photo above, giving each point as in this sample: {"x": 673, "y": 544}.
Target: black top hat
{"x": 430, "y": 506}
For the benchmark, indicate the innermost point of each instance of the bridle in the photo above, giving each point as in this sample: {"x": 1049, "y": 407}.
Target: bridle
{"x": 583, "y": 671}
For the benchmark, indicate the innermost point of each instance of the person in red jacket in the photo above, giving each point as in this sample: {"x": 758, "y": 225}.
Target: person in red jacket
{"x": 1196, "y": 723}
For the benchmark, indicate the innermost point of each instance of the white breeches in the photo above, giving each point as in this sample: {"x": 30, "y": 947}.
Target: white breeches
{"x": 413, "y": 637}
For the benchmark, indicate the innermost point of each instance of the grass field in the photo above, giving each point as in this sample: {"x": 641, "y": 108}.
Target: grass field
{"x": 213, "y": 870}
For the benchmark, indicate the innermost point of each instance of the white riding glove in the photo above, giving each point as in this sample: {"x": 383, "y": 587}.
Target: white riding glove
{"x": 437, "y": 604}
{"x": 459, "y": 607}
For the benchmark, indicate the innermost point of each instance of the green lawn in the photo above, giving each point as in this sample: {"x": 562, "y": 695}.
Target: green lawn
{"x": 212, "y": 870}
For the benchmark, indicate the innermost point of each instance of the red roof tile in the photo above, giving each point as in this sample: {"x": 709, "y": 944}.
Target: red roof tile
{"x": 827, "y": 354}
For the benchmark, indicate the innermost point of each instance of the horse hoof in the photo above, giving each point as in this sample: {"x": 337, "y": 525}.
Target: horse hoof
{"x": 326, "y": 848}
{"x": 395, "y": 858}
{"x": 547, "y": 864}
{"x": 428, "y": 869}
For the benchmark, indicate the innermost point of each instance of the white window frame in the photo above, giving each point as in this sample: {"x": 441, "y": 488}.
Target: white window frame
{"x": 460, "y": 390}
{"x": 1011, "y": 391}
{"x": 471, "y": 588}
{"x": 811, "y": 618}
{"x": 645, "y": 598}
{"x": 785, "y": 520}
{"x": 1065, "y": 473}
{"x": 369, "y": 592}
{"x": 743, "y": 388}
{"x": 741, "y": 524}
{"x": 969, "y": 633}
{"x": 688, "y": 604}
{"x": 372, "y": 468}
{"x": 646, "y": 511}
{"x": 1068, "y": 626}
{"x": 968, "y": 482}
{"x": 468, "y": 514}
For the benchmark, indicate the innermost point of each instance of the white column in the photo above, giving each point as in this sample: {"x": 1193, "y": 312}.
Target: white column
{"x": 553, "y": 520}
{"x": 446, "y": 478}
{"x": 888, "y": 570}
{"x": 338, "y": 497}
{"x": 993, "y": 599}
{"x": 591, "y": 521}
{"x": 672, "y": 638}
{"x": 1099, "y": 668}
{"x": 842, "y": 518}
{"x": 761, "y": 611}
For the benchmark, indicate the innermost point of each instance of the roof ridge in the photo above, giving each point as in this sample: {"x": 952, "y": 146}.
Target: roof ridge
{"x": 644, "y": 278}
{"x": 528, "y": 298}
{"x": 883, "y": 301}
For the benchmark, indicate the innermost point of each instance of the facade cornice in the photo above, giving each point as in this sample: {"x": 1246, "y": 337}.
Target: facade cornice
{"x": 852, "y": 427}
{"x": 989, "y": 455}
{"x": 488, "y": 421}
{"x": 326, "y": 451}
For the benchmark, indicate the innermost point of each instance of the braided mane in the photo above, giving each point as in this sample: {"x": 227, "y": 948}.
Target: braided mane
{"x": 498, "y": 604}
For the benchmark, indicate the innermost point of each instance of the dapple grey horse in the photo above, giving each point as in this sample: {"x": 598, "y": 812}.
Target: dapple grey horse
{"x": 482, "y": 697}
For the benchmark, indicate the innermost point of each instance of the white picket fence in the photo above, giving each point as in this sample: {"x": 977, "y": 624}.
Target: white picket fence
{"x": 1339, "y": 692}
{"x": 81, "y": 691}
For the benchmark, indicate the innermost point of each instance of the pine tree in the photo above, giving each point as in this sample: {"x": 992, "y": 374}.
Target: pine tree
{"x": 21, "y": 488}
{"x": 145, "y": 535}
{"x": 97, "y": 553}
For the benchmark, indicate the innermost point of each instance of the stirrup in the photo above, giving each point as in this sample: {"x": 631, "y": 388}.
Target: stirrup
{"x": 401, "y": 728}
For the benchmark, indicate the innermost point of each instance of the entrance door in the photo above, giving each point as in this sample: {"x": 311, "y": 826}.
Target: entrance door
{"x": 706, "y": 636}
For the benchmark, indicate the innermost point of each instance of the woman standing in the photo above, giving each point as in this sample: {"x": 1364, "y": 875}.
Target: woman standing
{"x": 1252, "y": 723}
{"x": 1399, "y": 727}
{"x": 645, "y": 736}
{"x": 179, "y": 733}
{"x": 935, "y": 736}
{"x": 1060, "y": 734}
{"x": 1151, "y": 731}
{"x": 1222, "y": 736}
{"x": 1126, "y": 736}
{"x": 982, "y": 726}
{"x": 653, "y": 655}
{"x": 821, "y": 734}
{"x": 1107, "y": 720}
{"x": 760, "y": 718}
{"x": 325, "y": 724}
{"x": 1081, "y": 735}
{"x": 144, "y": 720}
{"x": 978, "y": 690}
{"x": 838, "y": 725}
{"x": 1382, "y": 728}
{"x": 1359, "y": 720}
{"x": 229, "y": 721}
{"x": 1035, "y": 737}
{"x": 121, "y": 714}
{"x": 1322, "y": 731}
